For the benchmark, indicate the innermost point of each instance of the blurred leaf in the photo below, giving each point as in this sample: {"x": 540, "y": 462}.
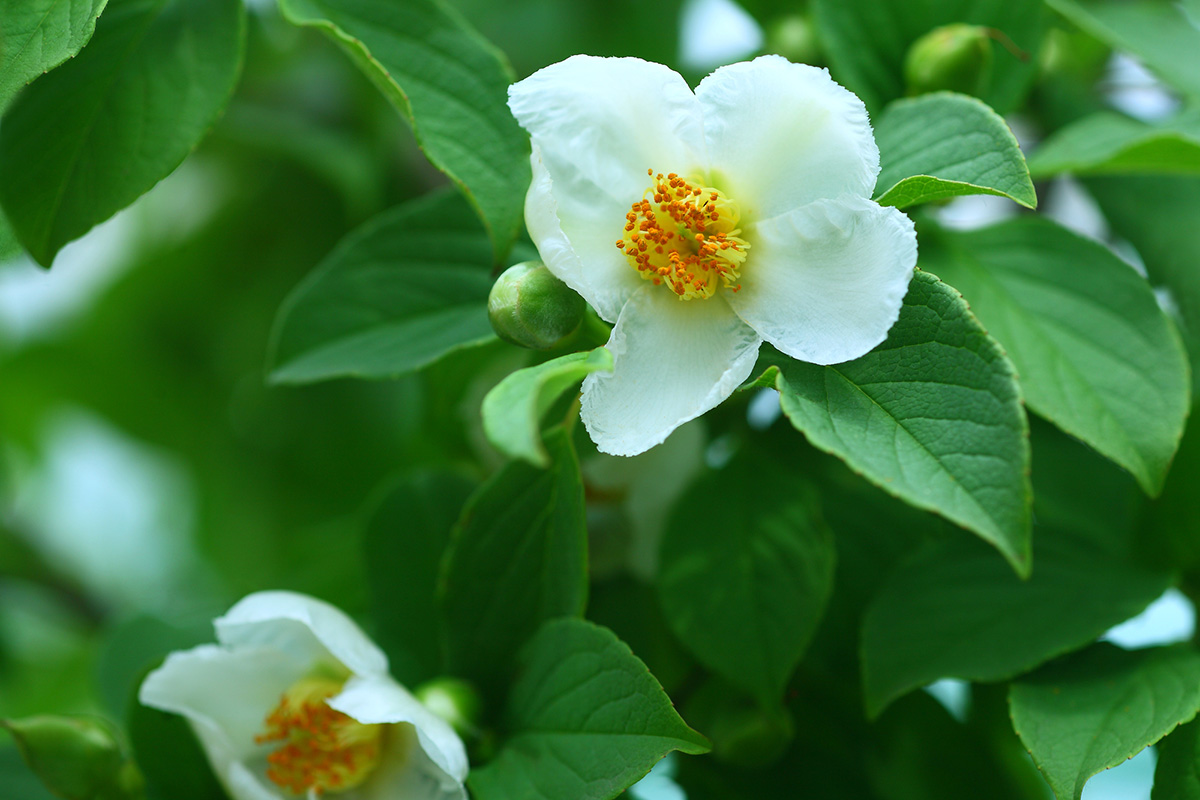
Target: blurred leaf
{"x": 1157, "y": 215}
{"x": 403, "y": 545}
{"x": 904, "y": 764}
{"x": 1171, "y": 523}
{"x": 1100, "y": 707}
{"x": 943, "y": 145}
{"x": 166, "y": 750}
{"x": 94, "y": 135}
{"x": 1107, "y": 143}
{"x": 867, "y": 41}
{"x": 450, "y": 84}
{"x": 132, "y": 647}
{"x": 933, "y": 416}
{"x": 587, "y": 720}
{"x": 513, "y": 409}
{"x": 955, "y": 612}
{"x": 744, "y": 581}
{"x": 38, "y": 35}
{"x": 397, "y": 294}
{"x": 1159, "y": 33}
{"x": 1095, "y": 353}
{"x": 518, "y": 557}
{"x": 630, "y": 609}
{"x": 9, "y": 246}
{"x": 1177, "y": 774}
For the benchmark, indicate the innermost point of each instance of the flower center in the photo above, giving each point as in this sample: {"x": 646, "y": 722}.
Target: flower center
{"x": 321, "y": 749}
{"x": 684, "y": 235}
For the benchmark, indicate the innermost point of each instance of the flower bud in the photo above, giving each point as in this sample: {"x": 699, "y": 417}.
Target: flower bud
{"x": 792, "y": 36}
{"x": 455, "y": 701}
{"x": 77, "y": 758}
{"x": 530, "y": 307}
{"x": 955, "y": 58}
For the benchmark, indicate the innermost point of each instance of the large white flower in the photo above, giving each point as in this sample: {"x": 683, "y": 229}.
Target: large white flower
{"x": 704, "y": 223}
{"x": 296, "y": 701}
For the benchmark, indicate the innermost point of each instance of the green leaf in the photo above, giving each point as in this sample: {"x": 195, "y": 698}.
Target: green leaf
{"x": 588, "y": 720}
{"x": 404, "y": 543}
{"x": 1177, "y": 774}
{"x": 1101, "y": 706}
{"x": 450, "y": 84}
{"x": 867, "y": 41}
{"x": 513, "y": 409}
{"x": 407, "y": 288}
{"x": 744, "y": 581}
{"x": 1157, "y": 215}
{"x": 38, "y": 35}
{"x": 1160, "y": 34}
{"x": 530, "y": 522}
{"x": 943, "y": 145}
{"x": 91, "y": 137}
{"x": 1107, "y": 143}
{"x": 1095, "y": 353}
{"x": 933, "y": 416}
{"x": 955, "y": 612}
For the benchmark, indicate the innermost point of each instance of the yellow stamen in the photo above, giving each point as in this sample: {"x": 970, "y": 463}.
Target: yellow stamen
{"x": 685, "y": 236}
{"x": 322, "y": 749}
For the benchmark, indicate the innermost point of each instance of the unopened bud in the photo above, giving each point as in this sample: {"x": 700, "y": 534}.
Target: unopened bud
{"x": 792, "y": 36}
{"x": 455, "y": 701}
{"x": 954, "y": 58}
{"x": 78, "y": 758}
{"x": 530, "y": 307}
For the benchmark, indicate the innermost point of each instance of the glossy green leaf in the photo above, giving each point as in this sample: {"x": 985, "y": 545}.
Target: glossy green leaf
{"x": 403, "y": 545}
{"x": 95, "y": 134}
{"x": 944, "y": 145}
{"x": 450, "y": 84}
{"x": 1101, "y": 706}
{"x": 933, "y": 415}
{"x": 587, "y": 720}
{"x": 513, "y": 409}
{"x": 1177, "y": 774}
{"x": 1159, "y": 33}
{"x": 955, "y": 612}
{"x": 1158, "y": 216}
{"x": 1107, "y": 143}
{"x": 1095, "y": 353}
{"x": 744, "y": 582}
{"x": 518, "y": 557}
{"x": 867, "y": 41}
{"x": 402, "y": 291}
{"x": 38, "y": 35}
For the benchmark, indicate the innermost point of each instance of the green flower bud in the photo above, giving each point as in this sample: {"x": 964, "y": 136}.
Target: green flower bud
{"x": 78, "y": 758}
{"x": 955, "y": 58}
{"x": 530, "y": 307}
{"x": 455, "y": 701}
{"x": 792, "y": 36}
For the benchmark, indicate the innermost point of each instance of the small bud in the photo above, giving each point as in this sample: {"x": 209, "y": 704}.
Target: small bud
{"x": 530, "y": 307}
{"x": 792, "y": 36}
{"x": 955, "y": 58}
{"x": 455, "y": 701}
{"x": 77, "y": 758}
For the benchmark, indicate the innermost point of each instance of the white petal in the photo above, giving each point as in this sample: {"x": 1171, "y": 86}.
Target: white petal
{"x": 597, "y": 125}
{"x": 407, "y": 772}
{"x": 226, "y": 696}
{"x": 379, "y": 699}
{"x": 672, "y": 361}
{"x": 781, "y": 135}
{"x": 302, "y": 626}
{"x": 824, "y": 283}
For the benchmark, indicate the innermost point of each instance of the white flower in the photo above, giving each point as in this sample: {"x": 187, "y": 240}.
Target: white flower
{"x": 704, "y": 223}
{"x": 296, "y": 701}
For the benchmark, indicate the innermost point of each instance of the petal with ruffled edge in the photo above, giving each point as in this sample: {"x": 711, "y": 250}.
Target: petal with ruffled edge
{"x": 225, "y": 695}
{"x": 375, "y": 700}
{"x": 597, "y": 125}
{"x": 781, "y": 135}
{"x": 825, "y": 282}
{"x": 673, "y": 360}
{"x": 304, "y": 627}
